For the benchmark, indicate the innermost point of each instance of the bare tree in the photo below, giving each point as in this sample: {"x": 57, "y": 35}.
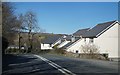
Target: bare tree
{"x": 31, "y": 23}
{"x": 9, "y": 21}
{"x": 20, "y": 28}
{"x": 12, "y": 24}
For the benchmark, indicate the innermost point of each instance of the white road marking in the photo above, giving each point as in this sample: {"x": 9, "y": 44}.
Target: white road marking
{"x": 35, "y": 70}
{"x": 58, "y": 67}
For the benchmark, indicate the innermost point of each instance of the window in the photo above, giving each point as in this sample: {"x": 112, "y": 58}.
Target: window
{"x": 85, "y": 40}
{"x": 50, "y": 45}
{"x": 76, "y": 51}
{"x": 91, "y": 40}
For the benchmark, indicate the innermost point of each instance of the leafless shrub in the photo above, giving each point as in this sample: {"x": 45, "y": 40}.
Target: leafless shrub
{"x": 91, "y": 50}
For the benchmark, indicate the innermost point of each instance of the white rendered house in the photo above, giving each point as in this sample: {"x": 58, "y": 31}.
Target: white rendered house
{"x": 63, "y": 43}
{"x": 64, "y": 40}
{"x": 49, "y": 42}
{"x": 45, "y": 46}
{"x": 74, "y": 46}
{"x": 105, "y": 36}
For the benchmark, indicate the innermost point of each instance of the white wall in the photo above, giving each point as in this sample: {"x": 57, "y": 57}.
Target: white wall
{"x": 108, "y": 42}
{"x": 76, "y": 46}
{"x": 46, "y": 46}
{"x": 87, "y": 40}
{"x": 119, "y": 40}
{"x": 63, "y": 44}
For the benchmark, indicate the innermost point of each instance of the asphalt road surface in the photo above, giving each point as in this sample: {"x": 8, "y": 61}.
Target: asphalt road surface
{"x": 48, "y": 64}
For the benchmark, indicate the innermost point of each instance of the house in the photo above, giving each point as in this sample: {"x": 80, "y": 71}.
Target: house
{"x": 80, "y": 32}
{"x": 49, "y": 42}
{"x": 64, "y": 40}
{"x": 13, "y": 47}
{"x": 105, "y": 36}
{"x": 74, "y": 45}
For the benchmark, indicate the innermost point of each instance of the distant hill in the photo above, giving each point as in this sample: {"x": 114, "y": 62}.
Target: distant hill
{"x": 37, "y": 36}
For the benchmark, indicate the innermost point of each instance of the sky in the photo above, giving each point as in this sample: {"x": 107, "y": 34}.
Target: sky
{"x": 60, "y": 0}
{"x": 68, "y": 17}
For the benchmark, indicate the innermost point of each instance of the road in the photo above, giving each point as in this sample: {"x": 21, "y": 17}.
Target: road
{"x": 30, "y": 64}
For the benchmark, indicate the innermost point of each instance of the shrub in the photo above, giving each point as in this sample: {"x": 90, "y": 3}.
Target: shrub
{"x": 5, "y": 44}
{"x": 60, "y": 51}
{"x": 91, "y": 50}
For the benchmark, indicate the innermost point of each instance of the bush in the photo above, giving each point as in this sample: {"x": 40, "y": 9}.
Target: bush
{"x": 60, "y": 51}
{"x": 90, "y": 50}
{"x": 5, "y": 44}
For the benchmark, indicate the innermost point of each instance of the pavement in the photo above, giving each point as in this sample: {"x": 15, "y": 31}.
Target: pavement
{"x": 50, "y": 64}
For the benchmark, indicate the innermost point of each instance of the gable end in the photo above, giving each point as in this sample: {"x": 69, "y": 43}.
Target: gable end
{"x": 107, "y": 28}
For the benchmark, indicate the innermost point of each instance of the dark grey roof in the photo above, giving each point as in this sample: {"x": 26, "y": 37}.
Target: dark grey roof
{"x": 67, "y": 45}
{"x": 97, "y": 29}
{"x": 51, "y": 39}
{"x": 81, "y": 32}
{"x": 68, "y": 37}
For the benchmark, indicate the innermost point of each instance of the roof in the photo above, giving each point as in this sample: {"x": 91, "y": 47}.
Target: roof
{"x": 68, "y": 38}
{"x": 51, "y": 39}
{"x": 98, "y": 29}
{"x": 81, "y": 32}
{"x": 68, "y": 44}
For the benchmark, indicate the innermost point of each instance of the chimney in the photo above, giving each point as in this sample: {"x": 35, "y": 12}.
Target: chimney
{"x": 64, "y": 36}
{"x": 72, "y": 39}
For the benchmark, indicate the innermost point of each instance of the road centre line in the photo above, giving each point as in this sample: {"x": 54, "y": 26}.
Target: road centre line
{"x": 58, "y": 67}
